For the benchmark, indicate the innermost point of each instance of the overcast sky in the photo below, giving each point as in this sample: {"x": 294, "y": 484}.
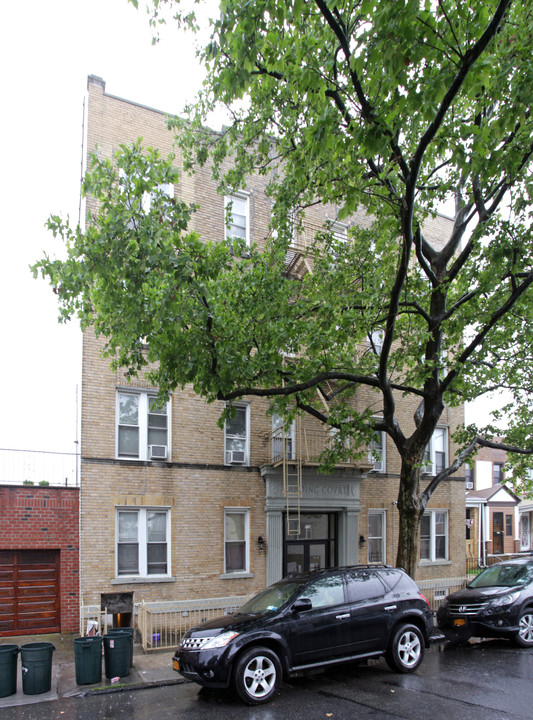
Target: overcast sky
{"x": 47, "y": 51}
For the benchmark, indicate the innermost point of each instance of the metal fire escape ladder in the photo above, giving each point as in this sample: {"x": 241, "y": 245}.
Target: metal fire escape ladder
{"x": 292, "y": 478}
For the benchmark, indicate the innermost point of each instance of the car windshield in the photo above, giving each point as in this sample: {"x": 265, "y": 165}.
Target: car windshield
{"x": 270, "y": 599}
{"x": 507, "y": 575}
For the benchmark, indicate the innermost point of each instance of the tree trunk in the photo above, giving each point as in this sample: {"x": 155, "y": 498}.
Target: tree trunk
{"x": 410, "y": 510}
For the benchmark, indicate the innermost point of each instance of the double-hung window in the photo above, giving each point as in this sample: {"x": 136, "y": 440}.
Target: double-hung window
{"x": 283, "y": 439}
{"x": 238, "y": 216}
{"x": 142, "y": 542}
{"x": 434, "y": 535}
{"x": 376, "y": 451}
{"x": 497, "y": 473}
{"x": 236, "y": 436}
{"x": 436, "y": 454}
{"x": 376, "y": 536}
{"x": 142, "y": 426}
{"x": 236, "y": 540}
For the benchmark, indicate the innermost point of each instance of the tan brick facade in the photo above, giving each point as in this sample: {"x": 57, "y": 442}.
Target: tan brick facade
{"x": 194, "y": 483}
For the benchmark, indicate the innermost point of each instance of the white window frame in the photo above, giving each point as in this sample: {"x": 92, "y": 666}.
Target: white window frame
{"x": 227, "y": 436}
{"x": 142, "y": 541}
{"x": 430, "y": 455}
{"x": 240, "y": 196}
{"x": 144, "y": 397}
{"x": 379, "y": 463}
{"x": 432, "y": 555}
{"x": 282, "y": 438}
{"x": 525, "y": 532}
{"x": 245, "y": 511}
{"x": 382, "y": 538}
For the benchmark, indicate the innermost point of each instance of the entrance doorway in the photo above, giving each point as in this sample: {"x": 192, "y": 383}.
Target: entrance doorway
{"x": 497, "y": 533}
{"x": 315, "y": 547}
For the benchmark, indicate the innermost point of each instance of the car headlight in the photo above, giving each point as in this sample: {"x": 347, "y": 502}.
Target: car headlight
{"x": 504, "y": 600}
{"x": 219, "y": 640}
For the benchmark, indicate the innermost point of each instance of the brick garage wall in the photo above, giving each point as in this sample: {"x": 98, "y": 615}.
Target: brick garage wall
{"x": 46, "y": 518}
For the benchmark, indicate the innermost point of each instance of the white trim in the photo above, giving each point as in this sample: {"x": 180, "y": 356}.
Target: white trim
{"x": 246, "y": 408}
{"x": 432, "y": 514}
{"x": 379, "y": 463}
{"x": 143, "y": 406}
{"x": 142, "y": 542}
{"x": 430, "y": 455}
{"x": 238, "y": 511}
{"x": 240, "y": 195}
{"x": 383, "y": 514}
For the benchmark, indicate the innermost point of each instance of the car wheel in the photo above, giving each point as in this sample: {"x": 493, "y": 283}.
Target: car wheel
{"x": 406, "y": 649}
{"x": 524, "y": 637}
{"x": 257, "y": 675}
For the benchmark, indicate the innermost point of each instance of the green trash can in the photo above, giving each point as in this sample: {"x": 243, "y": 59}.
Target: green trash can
{"x": 36, "y": 660}
{"x": 8, "y": 669}
{"x": 117, "y": 655}
{"x": 88, "y": 659}
{"x": 127, "y": 631}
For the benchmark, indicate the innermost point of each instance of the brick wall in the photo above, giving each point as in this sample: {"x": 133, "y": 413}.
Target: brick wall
{"x": 46, "y": 518}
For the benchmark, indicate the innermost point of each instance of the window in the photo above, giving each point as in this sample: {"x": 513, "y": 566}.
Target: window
{"x": 469, "y": 523}
{"x": 509, "y": 525}
{"x": 237, "y": 216}
{"x": 376, "y": 536}
{"x": 497, "y": 473}
{"x": 326, "y": 591}
{"x": 436, "y": 454}
{"x": 142, "y": 426}
{"x": 143, "y": 542}
{"x": 283, "y": 439}
{"x": 434, "y": 535}
{"x": 375, "y": 341}
{"x": 376, "y": 453}
{"x": 236, "y": 540}
{"x": 469, "y": 477}
{"x": 236, "y": 436}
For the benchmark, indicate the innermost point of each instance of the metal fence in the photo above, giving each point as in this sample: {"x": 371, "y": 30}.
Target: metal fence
{"x": 475, "y": 565}
{"x": 38, "y": 467}
{"x": 161, "y": 624}
{"x": 436, "y": 590}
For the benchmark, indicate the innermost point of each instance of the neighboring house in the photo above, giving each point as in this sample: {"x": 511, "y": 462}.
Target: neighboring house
{"x": 175, "y": 508}
{"x": 525, "y": 516}
{"x": 492, "y": 522}
{"x": 39, "y": 560}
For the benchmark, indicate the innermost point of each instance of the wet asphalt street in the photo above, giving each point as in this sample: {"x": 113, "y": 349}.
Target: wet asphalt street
{"x": 491, "y": 680}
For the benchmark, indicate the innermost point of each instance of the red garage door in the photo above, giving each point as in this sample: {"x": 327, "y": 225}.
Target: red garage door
{"x": 29, "y": 592}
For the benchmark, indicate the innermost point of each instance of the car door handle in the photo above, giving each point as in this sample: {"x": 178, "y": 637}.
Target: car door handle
{"x": 344, "y": 616}
{"x": 390, "y": 607}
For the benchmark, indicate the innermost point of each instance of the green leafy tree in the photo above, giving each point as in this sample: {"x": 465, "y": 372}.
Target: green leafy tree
{"x": 387, "y": 108}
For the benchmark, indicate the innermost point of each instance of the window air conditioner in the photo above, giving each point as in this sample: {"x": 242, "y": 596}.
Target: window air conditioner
{"x": 235, "y": 457}
{"x": 469, "y": 485}
{"x": 157, "y": 452}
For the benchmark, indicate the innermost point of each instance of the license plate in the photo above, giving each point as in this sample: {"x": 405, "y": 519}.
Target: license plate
{"x": 176, "y": 665}
{"x": 459, "y": 622}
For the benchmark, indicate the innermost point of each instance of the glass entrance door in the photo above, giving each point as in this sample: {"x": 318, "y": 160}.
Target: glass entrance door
{"x": 315, "y": 547}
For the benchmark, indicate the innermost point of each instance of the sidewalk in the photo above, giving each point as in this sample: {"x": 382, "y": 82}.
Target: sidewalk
{"x": 149, "y": 669}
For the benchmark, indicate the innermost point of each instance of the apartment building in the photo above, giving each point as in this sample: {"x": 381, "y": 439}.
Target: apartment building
{"x": 174, "y": 507}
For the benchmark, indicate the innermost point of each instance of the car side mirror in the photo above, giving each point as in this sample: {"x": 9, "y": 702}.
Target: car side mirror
{"x": 301, "y": 605}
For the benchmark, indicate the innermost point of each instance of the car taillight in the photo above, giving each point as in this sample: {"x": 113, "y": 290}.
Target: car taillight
{"x": 425, "y": 598}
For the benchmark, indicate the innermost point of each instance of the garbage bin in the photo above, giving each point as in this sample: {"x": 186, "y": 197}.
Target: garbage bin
{"x": 36, "y": 660}
{"x": 88, "y": 659}
{"x": 117, "y": 655}
{"x": 127, "y": 631}
{"x": 8, "y": 669}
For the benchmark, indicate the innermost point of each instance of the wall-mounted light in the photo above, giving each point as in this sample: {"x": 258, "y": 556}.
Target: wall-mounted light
{"x": 362, "y": 541}
{"x": 260, "y": 543}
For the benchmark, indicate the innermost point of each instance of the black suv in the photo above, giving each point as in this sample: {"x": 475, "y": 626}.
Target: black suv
{"x": 497, "y": 603}
{"x": 308, "y": 620}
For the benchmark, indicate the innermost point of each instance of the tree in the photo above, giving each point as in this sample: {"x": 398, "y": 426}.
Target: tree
{"x": 386, "y": 107}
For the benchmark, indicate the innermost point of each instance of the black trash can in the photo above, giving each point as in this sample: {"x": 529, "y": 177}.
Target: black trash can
{"x": 127, "y": 631}
{"x": 117, "y": 655}
{"x": 88, "y": 659}
{"x": 36, "y": 659}
{"x": 8, "y": 669}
